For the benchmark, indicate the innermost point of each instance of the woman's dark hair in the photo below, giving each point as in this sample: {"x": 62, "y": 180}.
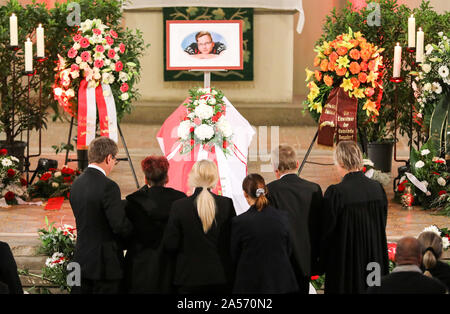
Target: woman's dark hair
{"x": 255, "y": 187}
{"x": 155, "y": 169}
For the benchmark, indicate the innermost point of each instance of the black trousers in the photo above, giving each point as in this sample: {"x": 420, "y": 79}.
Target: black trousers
{"x": 89, "y": 286}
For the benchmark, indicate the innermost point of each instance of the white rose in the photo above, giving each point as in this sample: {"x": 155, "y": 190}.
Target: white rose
{"x": 426, "y": 67}
{"x": 419, "y": 164}
{"x": 105, "y": 78}
{"x": 441, "y": 181}
{"x": 204, "y": 132}
{"x": 111, "y": 80}
{"x": 224, "y": 127}
{"x": 368, "y": 162}
{"x": 425, "y": 152}
{"x": 57, "y": 174}
{"x": 124, "y": 96}
{"x": 55, "y": 184}
{"x": 123, "y": 76}
{"x": 204, "y": 111}
{"x": 212, "y": 101}
{"x": 97, "y": 76}
{"x": 184, "y": 128}
{"x": 78, "y": 60}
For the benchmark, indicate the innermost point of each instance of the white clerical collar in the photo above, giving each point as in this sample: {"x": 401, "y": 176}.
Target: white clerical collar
{"x": 98, "y": 168}
{"x": 287, "y": 174}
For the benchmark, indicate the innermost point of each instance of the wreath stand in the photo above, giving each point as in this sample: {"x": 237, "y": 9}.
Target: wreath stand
{"x": 128, "y": 158}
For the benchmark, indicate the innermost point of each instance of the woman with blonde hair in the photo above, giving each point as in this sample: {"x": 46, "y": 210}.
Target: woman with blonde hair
{"x": 432, "y": 252}
{"x": 353, "y": 225}
{"x": 198, "y": 235}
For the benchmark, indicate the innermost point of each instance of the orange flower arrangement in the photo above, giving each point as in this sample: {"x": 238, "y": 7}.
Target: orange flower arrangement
{"x": 348, "y": 61}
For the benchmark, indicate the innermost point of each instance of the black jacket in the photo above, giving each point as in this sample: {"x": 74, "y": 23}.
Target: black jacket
{"x": 101, "y": 220}
{"x": 8, "y": 271}
{"x": 260, "y": 249}
{"x": 201, "y": 259}
{"x": 410, "y": 282}
{"x": 441, "y": 271}
{"x": 147, "y": 267}
{"x": 302, "y": 200}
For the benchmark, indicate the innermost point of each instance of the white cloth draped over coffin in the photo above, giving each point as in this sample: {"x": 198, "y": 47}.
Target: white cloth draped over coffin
{"x": 232, "y": 168}
{"x": 264, "y": 4}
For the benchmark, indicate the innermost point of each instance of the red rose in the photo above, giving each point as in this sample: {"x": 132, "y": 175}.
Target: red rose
{"x": 45, "y": 176}
{"x": 439, "y": 161}
{"x": 119, "y": 66}
{"x": 442, "y": 192}
{"x": 315, "y": 277}
{"x": 124, "y": 88}
{"x": 67, "y": 170}
{"x": 364, "y": 169}
{"x": 191, "y": 130}
{"x": 52, "y": 169}
{"x": 3, "y": 152}
{"x": 9, "y": 196}
{"x": 67, "y": 179}
{"x": 11, "y": 173}
{"x": 401, "y": 186}
{"x": 23, "y": 182}
{"x": 225, "y": 144}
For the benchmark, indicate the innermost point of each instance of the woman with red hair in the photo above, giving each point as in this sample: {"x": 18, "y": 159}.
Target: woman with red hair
{"x": 147, "y": 268}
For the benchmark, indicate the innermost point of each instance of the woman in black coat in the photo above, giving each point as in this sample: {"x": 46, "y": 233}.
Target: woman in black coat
{"x": 9, "y": 278}
{"x": 147, "y": 267}
{"x": 198, "y": 235}
{"x": 260, "y": 246}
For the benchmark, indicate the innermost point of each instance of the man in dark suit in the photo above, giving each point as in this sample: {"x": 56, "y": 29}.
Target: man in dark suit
{"x": 407, "y": 277}
{"x": 302, "y": 200}
{"x": 101, "y": 221}
{"x": 9, "y": 279}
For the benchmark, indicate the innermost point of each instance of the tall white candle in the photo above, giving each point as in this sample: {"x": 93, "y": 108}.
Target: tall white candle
{"x": 28, "y": 56}
{"x": 40, "y": 42}
{"x": 397, "y": 60}
{"x": 13, "y": 38}
{"x": 419, "y": 48}
{"x": 411, "y": 31}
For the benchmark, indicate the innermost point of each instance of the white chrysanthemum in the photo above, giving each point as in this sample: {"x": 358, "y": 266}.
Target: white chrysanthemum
{"x": 443, "y": 71}
{"x": 6, "y": 162}
{"x": 184, "y": 129}
{"x": 212, "y": 101}
{"x": 441, "y": 181}
{"x": 204, "y": 111}
{"x": 204, "y": 132}
{"x": 427, "y": 87}
{"x": 432, "y": 229}
{"x": 419, "y": 164}
{"x": 426, "y": 67}
{"x": 437, "y": 88}
{"x": 425, "y": 152}
{"x": 368, "y": 162}
{"x": 224, "y": 127}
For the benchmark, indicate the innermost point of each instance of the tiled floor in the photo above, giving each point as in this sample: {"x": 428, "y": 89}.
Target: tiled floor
{"x": 141, "y": 142}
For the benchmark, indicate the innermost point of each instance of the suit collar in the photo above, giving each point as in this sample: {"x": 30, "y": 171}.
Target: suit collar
{"x": 97, "y": 168}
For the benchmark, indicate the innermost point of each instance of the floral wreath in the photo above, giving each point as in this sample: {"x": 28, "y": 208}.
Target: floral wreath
{"x": 99, "y": 56}
{"x": 205, "y": 122}
{"x": 352, "y": 63}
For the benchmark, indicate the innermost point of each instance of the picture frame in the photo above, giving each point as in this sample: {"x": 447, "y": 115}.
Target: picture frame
{"x": 204, "y": 45}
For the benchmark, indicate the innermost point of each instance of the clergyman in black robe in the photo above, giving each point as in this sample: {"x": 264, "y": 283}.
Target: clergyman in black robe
{"x": 354, "y": 226}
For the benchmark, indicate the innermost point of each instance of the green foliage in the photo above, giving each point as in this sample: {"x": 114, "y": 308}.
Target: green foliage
{"x": 393, "y": 29}
{"x": 58, "y": 36}
{"x": 54, "y": 240}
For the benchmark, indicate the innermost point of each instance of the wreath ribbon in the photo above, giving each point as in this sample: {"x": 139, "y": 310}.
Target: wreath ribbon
{"x": 89, "y": 101}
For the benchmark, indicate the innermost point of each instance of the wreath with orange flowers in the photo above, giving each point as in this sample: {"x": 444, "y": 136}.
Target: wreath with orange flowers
{"x": 349, "y": 62}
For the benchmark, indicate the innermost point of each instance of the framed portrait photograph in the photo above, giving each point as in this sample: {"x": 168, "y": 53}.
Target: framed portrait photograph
{"x": 209, "y": 45}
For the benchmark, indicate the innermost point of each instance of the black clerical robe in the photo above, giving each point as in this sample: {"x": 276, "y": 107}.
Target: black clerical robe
{"x": 354, "y": 233}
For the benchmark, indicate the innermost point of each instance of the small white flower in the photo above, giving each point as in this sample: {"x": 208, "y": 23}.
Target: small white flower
{"x": 76, "y": 46}
{"x": 429, "y": 49}
{"x": 78, "y": 60}
{"x": 443, "y": 71}
{"x": 445, "y": 243}
{"x": 55, "y": 184}
{"x": 14, "y": 159}
{"x": 426, "y": 67}
{"x": 441, "y": 181}
{"x": 419, "y": 164}
{"x": 204, "y": 132}
{"x": 107, "y": 62}
{"x": 427, "y": 87}
{"x": 184, "y": 129}
{"x": 432, "y": 228}
{"x": 124, "y": 96}
{"x": 425, "y": 152}
{"x": 440, "y": 34}
{"x": 437, "y": 88}
{"x": 57, "y": 174}
{"x": 123, "y": 76}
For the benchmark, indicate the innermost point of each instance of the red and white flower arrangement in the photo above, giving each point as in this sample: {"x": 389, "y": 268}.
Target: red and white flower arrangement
{"x": 54, "y": 183}
{"x": 97, "y": 54}
{"x": 205, "y": 122}
{"x": 12, "y": 185}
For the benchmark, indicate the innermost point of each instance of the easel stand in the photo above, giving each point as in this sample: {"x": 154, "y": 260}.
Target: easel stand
{"x": 128, "y": 158}
{"x": 206, "y": 76}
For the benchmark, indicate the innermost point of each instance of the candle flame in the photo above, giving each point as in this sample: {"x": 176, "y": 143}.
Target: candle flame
{"x": 398, "y": 44}
{"x": 40, "y": 25}
{"x": 420, "y": 29}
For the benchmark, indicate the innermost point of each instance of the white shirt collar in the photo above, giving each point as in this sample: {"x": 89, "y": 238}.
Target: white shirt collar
{"x": 407, "y": 268}
{"x": 98, "y": 168}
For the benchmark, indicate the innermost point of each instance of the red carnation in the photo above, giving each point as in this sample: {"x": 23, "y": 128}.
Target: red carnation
{"x": 401, "y": 186}
{"x": 113, "y": 34}
{"x": 100, "y": 48}
{"x": 45, "y": 176}
{"x": 77, "y": 37}
{"x": 52, "y": 169}
{"x": 98, "y": 63}
{"x": 97, "y": 31}
{"x": 9, "y": 196}
{"x": 364, "y": 169}
{"x": 121, "y": 48}
{"x": 191, "y": 130}
{"x": 442, "y": 192}
{"x": 3, "y": 152}
{"x": 119, "y": 66}
{"x": 11, "y": 173}
{"x": 124, "y": 88}
{"x": 192, "y": 142}
{"x": 111, "y": 53}
{"x": 439, "y": 161}
{"x": 109, "y": 40}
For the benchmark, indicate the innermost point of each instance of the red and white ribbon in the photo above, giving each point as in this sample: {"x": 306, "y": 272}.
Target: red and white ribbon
{"x": 89, "y": 100}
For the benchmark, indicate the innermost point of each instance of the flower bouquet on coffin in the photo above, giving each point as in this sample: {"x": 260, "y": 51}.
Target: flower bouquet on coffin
{"x": 345, "y": 92}
{"x": 205, "y": 123}
{"x": 54, "y": 183}
{"x": 96, "y": 74}
{"x": 433, "y": 94}
{"x": 13, "y": 187}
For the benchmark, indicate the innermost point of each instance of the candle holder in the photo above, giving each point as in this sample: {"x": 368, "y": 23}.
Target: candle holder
{"x": 411, "y": 49}
{"x": 29, "y": 73}
{"x": 40, "y": 59}
{"x": 13, "y": 48}
{"x": 396, "y": 80}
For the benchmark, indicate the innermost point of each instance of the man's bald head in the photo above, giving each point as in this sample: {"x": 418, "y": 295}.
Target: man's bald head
{"x": 409, "y": 252}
